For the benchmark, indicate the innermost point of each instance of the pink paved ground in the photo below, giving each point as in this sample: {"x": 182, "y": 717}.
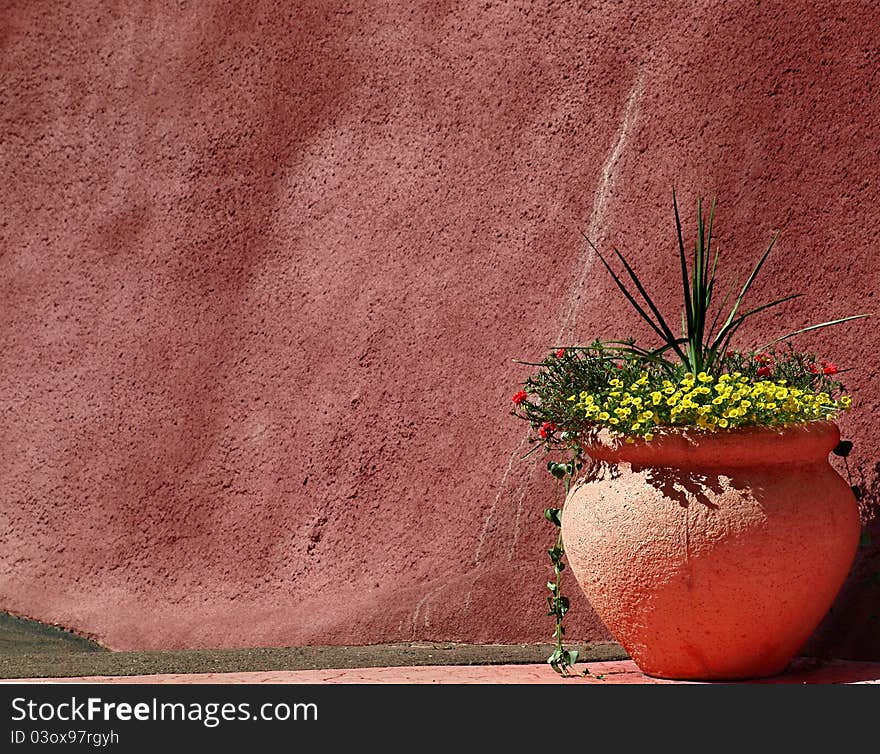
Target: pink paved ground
{"x": 266, "y": 266}
{"x": 618, "y": 672}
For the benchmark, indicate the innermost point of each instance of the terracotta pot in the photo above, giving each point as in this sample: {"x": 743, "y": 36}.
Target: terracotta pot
{"x": 712, "y": 555}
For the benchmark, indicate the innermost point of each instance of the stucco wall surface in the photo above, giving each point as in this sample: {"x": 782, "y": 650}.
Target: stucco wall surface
{"x": 266, "y": 266}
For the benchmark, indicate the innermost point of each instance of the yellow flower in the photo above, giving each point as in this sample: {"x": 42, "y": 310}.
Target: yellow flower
{"x": 731, "y": 401}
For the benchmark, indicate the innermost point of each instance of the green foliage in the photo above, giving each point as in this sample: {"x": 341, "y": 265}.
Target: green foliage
{"x": 702, "y": 344}
{"x": 552, "y": 398}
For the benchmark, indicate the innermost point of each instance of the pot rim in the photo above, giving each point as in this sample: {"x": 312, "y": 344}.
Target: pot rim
{"x": 808, "y": 442}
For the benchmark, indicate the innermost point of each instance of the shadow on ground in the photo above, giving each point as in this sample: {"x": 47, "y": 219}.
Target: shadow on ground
{"x": 29, "y": 649}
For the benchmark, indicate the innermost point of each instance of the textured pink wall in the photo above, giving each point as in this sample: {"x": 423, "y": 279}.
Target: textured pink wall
{"x": 265, "y": 267}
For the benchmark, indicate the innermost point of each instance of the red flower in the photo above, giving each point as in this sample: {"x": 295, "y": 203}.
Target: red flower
{"x": 764, "y": 372}
{"x": 829, "y": 368}
{"x": 560, "y": 353}
{"x": 814, "y": 369}
{"x": 619, "y": 366}
{"x": 730, "y": 353}
{"x": 547, "y": 429}
{"x": 763, "y": 358}
{"x": 520, "y": 397}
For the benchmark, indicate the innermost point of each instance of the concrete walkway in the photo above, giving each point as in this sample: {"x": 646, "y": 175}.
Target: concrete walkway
{"x": 615, "y": 672}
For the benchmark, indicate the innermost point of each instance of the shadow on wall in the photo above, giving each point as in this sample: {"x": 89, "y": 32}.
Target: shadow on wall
{"x": 851, "y": 630}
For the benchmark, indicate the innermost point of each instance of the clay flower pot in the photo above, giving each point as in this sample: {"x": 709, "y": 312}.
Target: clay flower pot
{"x": 712, "y": 555}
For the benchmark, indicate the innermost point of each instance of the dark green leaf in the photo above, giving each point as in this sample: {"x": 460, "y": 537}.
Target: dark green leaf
{"x": 709, "y": 249}
{"x": 683, "y": 258}
{"x": 731, "y": 327}
{"x": 667, "y": 334}
{"x": 552, "y": 515}
{"x": 843, "y": 448}
{"x": 635, "y": 304}
{"x": 813, "y": 327}
{"x": 721, "y": 309}
{"x": 749, "y": 281}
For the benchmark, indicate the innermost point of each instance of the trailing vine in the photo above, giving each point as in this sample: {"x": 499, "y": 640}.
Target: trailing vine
{"x": 562, "y": 660}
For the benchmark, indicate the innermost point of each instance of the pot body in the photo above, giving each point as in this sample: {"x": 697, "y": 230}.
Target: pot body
{"x": 713, "y": 556}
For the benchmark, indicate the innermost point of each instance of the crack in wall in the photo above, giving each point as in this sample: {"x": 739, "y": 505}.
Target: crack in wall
{"x": 587, "y": 256}
{"x": 586, "y": 259}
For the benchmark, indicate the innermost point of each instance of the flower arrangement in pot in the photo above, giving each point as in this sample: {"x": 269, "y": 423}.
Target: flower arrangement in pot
{"x": 702, "y": 518}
